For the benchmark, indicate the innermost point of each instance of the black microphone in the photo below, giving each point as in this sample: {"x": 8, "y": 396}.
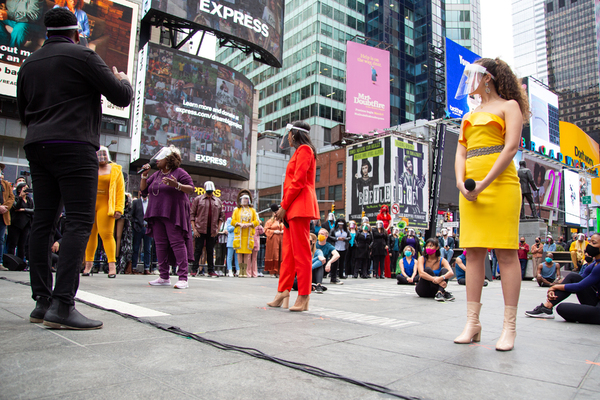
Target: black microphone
{"x": 275, "y": 208}
{"x": 152, "y": 164}
{"x": 470, "y": 185}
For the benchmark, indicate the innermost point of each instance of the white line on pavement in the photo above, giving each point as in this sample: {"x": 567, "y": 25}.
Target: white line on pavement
{"x": 360, "y": 318}
{"x": 121, "y": 306}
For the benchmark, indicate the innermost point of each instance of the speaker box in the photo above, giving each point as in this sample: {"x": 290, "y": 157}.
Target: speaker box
{"x": 13, "y": 263}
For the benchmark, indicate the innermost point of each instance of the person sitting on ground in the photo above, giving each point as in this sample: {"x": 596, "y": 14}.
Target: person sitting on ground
{"x": 584, "y": 286}
{"x": 548, "y": 272}
{"x": 434, "y": 272}
{"x": 318, "y": 260}
{"x": 329, "y": 253}
{"x": 406, "y": 273}
{"x": 461, "y": 269}
{"x": 577, "y": 250}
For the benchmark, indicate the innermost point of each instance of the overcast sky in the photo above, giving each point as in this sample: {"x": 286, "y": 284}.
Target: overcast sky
{"x": 496, "y": 29}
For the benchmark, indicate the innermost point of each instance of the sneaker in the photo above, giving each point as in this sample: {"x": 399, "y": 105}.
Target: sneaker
{"x": 319, "y": 289}
{"x": 540, "y": 311}
{"x": 230, "y": 274}
{"x": 155, "y": 272}
{"x": 439, "y": 296}
{"x": 160, "y": 282}
{"x": 181, "y": 285}
{"x": 448, "y": 296}
{"x": 337, "y": 282}
{"x": 212, "y": 274}
{"x": 260, "y": 275}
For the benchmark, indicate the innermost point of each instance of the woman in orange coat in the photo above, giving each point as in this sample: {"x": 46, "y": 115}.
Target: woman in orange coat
{"x": 298, "y": 207}
{"x": 274, "y": 232}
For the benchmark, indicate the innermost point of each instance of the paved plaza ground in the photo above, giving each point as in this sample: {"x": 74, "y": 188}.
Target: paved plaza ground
{"x": 368, "y": 330}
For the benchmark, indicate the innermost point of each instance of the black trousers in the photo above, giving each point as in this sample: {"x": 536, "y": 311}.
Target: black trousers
{"x": 394, "y": 261}
{"x": 403, "y": 281}
{"x": 199, "y": 244}
{"x": 427, "y": 288}
{"x": 361, "y": 265}
{"x": 63, "y": 174}
{"x": 17, "y": 240}
{"x": 317, "y": 275}
{"x": 338, "y": 266}
{"x": 378, "y": 265}
{"x": 462, "y": 281}
{"x": 587, "y": 312}
{"x": 350, "y": 261}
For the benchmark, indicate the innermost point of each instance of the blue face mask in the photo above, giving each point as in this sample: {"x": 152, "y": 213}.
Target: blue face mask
{"x": 408, "y": 253}
{"x": 548, "y": 260}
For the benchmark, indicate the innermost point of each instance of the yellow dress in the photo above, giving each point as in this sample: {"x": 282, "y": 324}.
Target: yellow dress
{"x": 492, "y": 221}
{"x": 243, "y": 238}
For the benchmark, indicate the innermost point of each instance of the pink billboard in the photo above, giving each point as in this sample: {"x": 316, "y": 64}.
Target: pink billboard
{"x": 367, "y": 89}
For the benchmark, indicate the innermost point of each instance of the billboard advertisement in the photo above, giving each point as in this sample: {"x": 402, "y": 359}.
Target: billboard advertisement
{"x": 576, "y": 144}
{"x": 548, "y": 178}
{"x": 543, "y": 128}
{"x": 597, "y": 12}
{"x": 107, "y": 27}
{"x": 201, "y": 106}
{"x": 572, "y": 198}
{"x": 411, "y": 172}
{"x": 368, "y": 178}
{"x": 258, "y": 23}
{"x": 368, "y": 89}
{"x": 457, "y": 58}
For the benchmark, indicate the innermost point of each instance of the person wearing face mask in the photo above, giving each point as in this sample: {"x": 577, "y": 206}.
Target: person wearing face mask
{"x": 585, "y": 286}
{"x": 523, "y": 254}
{"x": 547, "y": 272}
{"x": 244, "y": 220}
{"x": 329, "y": 254}
{"x": 206, "y": 215}
{"x": 434, "y": 273}
{"x": 413, "y": 241}
{"x": 350, "y": 259}
{"x": 446, "y": 245}
{"x": 549, "y": 246}
{"x": 577, "y": 250}
{"x": 537, "y": 252}
{"x": 168, "y": 215}
{"x": 274, "y": 232}
{"x": 461, "y": 268}
{"x": 7, "y": 199}
{"x": 378, "y": 250}
{"x": 21, "y": 214}
{"x": 340, "y": 237}
{"x": 394, "y": 250}
{"x": 362, "y": 242}
{"x": 110, "y": 204}
{"x": 330, "y": 224}
{"x": 406, "y": 273}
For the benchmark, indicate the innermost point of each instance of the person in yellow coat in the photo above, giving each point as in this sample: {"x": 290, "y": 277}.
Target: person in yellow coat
{"x": 110, "y": 202}
{"x": 244, "y": 220}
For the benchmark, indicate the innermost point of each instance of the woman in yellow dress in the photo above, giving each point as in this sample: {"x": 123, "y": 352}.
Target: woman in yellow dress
{"x": 489, "y": 139}
{"x": 244, "y": 220}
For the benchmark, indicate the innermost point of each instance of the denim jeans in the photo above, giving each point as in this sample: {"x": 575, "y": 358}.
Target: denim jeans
{"x": 138, "y": 237}
{"x": 2, "y": 237}
{"x": 230, "y": 256}
{"x": 62, "y": 174}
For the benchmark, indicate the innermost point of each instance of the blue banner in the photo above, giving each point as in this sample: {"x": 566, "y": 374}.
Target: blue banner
{"x": 457, "y": 57}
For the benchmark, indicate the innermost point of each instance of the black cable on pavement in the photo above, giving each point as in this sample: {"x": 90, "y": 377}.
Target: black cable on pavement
{"x": 309, "y": 369}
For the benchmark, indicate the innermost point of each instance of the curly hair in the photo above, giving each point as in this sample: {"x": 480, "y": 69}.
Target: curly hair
{"x": 63, "y": 3}
{"x": 507, "y": 84}
{"x": 173, "y": 161}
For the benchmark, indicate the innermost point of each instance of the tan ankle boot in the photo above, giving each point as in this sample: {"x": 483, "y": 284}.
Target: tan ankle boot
{"x": 301, "y": 303}
{"x": 243, "y": 269}
{"x": 509, "y": 330}
{"x": 472, "y": 330}
{"x": 281, "y": 300}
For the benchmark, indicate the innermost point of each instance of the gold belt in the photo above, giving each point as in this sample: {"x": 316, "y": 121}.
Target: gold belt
{"x": 484, "y": 151}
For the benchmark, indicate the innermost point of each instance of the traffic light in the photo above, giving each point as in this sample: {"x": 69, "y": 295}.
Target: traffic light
{"x": 363, "y": 213}
{"x": 333, "y": 208}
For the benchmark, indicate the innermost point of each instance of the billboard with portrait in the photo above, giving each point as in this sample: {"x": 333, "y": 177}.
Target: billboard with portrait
{"x": 107, "y": 27}
{"x": 368, "y": 178}
{"x": 411, "y": 177}
{"x": 367, "y": 89}
{"x": 257, "y": 23}
{"x": 457, "y": 58}
{"x": 201, "y": 106}
{"x": 548, "y": 178}
{"x": 543, "y": 128}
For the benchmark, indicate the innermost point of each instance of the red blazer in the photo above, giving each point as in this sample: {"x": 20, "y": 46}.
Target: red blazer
{"x": 299, "y": 197}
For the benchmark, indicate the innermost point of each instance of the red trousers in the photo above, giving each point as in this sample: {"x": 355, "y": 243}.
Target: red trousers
{"x": 296, "y": 259}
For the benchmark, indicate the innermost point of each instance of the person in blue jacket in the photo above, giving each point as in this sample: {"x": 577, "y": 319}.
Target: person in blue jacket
{"x": 230, "y": 249}
{"x": 585, "y": 286}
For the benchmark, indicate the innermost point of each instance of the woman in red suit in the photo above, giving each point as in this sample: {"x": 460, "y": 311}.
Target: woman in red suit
{"x": 298, "y": 207}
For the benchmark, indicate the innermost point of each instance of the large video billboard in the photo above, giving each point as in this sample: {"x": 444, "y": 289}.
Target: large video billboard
{"x": 572, "y": 198}
{"x": 411, "y": 191}
{"x": 201, "y": 106}
{"x": 258, "y": 23}
{"x": 548, "y": 177}
{"x": 367, "y": 89}
{"x": 108, "y": 27}
{"x": 543, "y": 128}
{"x": 457, "y": 58}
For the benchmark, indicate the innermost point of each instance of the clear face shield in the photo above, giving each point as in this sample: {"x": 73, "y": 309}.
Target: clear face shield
{"x": 103, "y": 155}
{"x": 245, "y": 200}
{"x": 285, "y": 140}
{"x": 209, "y": 186}
{"x": 470, "y": 81}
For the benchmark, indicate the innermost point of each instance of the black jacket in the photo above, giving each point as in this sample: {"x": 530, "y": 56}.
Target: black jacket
{"x": 417, "y": 247}
{"x": 380, "y": 240}
{"x": 58, "y": 92}
{"x": 20, "y": 219}
{"x": 362, "y": 245}
{"x": 137, "y": 215}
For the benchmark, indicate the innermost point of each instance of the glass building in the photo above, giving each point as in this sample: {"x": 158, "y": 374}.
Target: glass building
{"x": 463, "y": 23}
{"x": 529, "y": 38}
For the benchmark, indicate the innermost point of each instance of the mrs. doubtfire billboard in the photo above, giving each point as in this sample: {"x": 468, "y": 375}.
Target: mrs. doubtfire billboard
{"x": 367, "y": 88}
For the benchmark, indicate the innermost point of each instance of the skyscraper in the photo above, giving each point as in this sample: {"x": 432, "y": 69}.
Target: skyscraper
{"x": 529, "y": 36}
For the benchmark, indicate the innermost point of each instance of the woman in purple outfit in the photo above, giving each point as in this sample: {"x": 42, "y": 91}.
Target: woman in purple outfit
{"x": 412, "y": 240}
{"x": 168, "y": 215}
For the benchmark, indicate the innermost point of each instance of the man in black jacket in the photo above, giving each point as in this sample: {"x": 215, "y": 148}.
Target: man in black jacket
{"x": 138, "y": 209}
{"x": 59, "y": 90}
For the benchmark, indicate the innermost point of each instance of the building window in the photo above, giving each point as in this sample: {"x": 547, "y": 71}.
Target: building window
{"x": 561, "y": 3}
{"x": 340, "y": 170}
{"x": 335, "y": 192}
{"x": 318, "y": 175}
{"x": 550, "y": 7}
{"x": 320, "y": 193}
{"x": 327, "y": 135}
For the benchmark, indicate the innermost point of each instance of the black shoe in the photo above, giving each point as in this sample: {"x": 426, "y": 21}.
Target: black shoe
{"x": 64, "y": 316}
{"x": 319, "y": 289}
{"x": 485, "y": 283}
{"x": 41, "y": 306}
{"x": 376, "y": 276}
{"x": 448, "y": 296}
{"x": 439, "y": 296}
{"x": 540, "y": 311}
{"x": 381, "y": 277}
